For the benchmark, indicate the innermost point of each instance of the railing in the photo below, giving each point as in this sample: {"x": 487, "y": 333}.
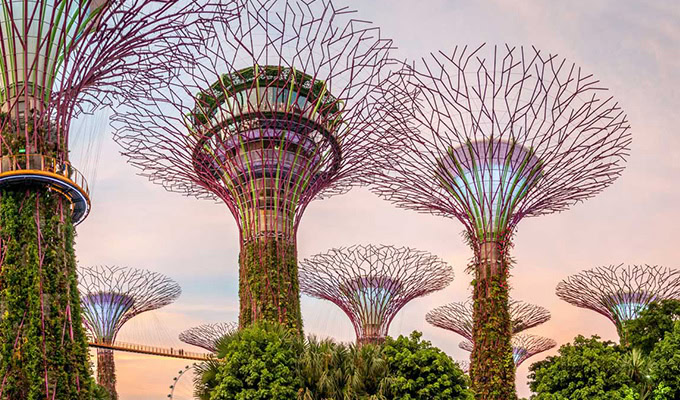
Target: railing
{"x": 38, "y": 162}
{"x": 156, "y": 351}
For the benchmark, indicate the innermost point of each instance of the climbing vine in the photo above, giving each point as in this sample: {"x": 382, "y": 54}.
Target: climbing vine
{"x": 44, "y": 350}
{"x": 268, "y": 283}
{"x": 492, "y": 368}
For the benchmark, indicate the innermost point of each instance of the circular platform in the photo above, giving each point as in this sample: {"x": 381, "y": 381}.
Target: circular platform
{"x": 58, "y": 176}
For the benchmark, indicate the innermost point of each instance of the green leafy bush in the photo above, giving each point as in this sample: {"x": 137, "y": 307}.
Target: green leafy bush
{"x": 665, "y": 360}
{"x": 652, "y": 324}
{"x": 588, "y": 369}
{"x": 417, "y": 370}
{"x": 269, "y": 361}
{"x": 260, "y": 363}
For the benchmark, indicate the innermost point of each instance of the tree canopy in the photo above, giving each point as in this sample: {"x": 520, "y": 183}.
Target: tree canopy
{"x": 268, "y": 361}
{"x": 418, "y": 370}
{"x": 652, "y": 324}
{"x": 588, "y": 369}
{"x": 665, "y": 359}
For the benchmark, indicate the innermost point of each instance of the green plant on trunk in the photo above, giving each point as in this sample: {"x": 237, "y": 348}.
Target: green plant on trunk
{"x": 44, "y": 348}
{"x": 492, "y": 368}
{"x": 268, "y": 283}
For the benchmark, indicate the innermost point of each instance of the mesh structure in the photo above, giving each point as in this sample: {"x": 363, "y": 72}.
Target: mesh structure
{"x": 110, "y": 296}
{"x": 523, "y": 346}
{"x": 271, "y": 115}
{"x": 488, "y": 136}
{"x": 457, "y": 317}
{"x": 60, "y": 59}
{"x": 372, "y": 283}
{"x": 620, "y": 292}
{"x": 208, "y": 335}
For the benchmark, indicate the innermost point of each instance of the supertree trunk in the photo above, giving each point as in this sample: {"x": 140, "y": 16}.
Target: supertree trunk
{"x": 44, "y": 353}
{"x": 106, "y": 371}
{"x": 268, "y": 283}
{"x": 492, "y": 368}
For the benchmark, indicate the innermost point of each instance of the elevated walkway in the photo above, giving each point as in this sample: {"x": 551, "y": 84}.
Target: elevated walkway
{"x": 150, "y": 350}
{"x": 59, "y": 176}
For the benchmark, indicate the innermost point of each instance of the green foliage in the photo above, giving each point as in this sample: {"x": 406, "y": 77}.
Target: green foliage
{"x": 419, "y": 371}
{"x": 665, "y": 360}
{"x": 205, "y": 378}
{"x": 260, "y": 363}
{"x": 588, "y": 369}
{"x": 268, "y": 361}
{"x": 326, "y": 370}
{"x": 40, "y": 327}
{"x": 268, "y": 283}
{"x": 652, "y": 324}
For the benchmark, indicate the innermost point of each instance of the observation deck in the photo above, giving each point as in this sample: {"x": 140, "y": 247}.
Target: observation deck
{"x": 59, "y": 176}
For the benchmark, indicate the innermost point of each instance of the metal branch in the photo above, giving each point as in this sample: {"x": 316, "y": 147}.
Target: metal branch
{"x": 523, "y": 346}
{"x": 110, "y": 296}
{"x": 620, "y": 292}
{"x": 271, "y": 114}
{"x": 492, "y": 135}
{"x": 457, "y": 317}
{"x": 372, "y": 283}
{"x": 208, "y": 335}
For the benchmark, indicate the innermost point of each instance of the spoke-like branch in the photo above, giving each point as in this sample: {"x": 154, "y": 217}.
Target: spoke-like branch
{"x": 620, "y": 292}
{"x": 372, "y": 283}
{"x": 457, "y": 317}
{"x": 208, "y": 335}
{"x": 110, "y": 296}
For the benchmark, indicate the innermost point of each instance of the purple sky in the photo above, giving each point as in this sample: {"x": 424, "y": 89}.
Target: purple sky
{"x": 632, "y": 47}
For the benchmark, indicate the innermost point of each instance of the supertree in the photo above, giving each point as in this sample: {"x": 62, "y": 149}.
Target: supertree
{"x": 60, "y": 59}
{"x": 457, "y": 317}
{"x": 271, "y": 115}
{"x": 372, "y": 283}
{"x": 620, "y": 292}
{"x": 523, "y": 346}
{"x": 488, "y": 138}
{"x": 110, "y": 297}
{"x": 207, "y": 336}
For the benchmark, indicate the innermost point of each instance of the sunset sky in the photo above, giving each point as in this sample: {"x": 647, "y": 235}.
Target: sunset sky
{"x": 632, "y": 47}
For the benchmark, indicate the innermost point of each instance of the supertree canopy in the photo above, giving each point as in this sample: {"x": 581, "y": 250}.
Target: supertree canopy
{"x": 457, "y": 317}
{"x": 59, "y": 59}
{"x": 207, "y": 336}
{"x": 271, "y": 115}
{"x": 488, "y": 137}
{"x": 372, "y": 283}
{"x": 523, "y": 346}
{"x": 620, "y": 292}
{"x": 110, "y": 296}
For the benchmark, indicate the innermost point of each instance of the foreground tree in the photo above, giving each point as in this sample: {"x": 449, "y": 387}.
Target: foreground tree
{"x": 588, "y": 369}
{"x": 665, "y": 370}
{"x": 268, "y": 361}
{"x": 259, "y": 363}
{"x": 652, "y": 324}
{"x": 418, "y": 370}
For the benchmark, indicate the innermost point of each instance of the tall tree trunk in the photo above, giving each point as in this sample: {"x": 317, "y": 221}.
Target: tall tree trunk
{"x": 492, "y": 367}
{"x": 44, "y": 352}
{"x": 268, "y": 283}
{"x": 106, "y": 371}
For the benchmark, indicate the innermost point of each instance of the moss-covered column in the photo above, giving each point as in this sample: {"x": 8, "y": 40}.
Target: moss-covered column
{"x": 44, "y": 352}
{"x": 268, "y": 282}
{"x": 492, "y": 367}
{"x": 106, "y": 372}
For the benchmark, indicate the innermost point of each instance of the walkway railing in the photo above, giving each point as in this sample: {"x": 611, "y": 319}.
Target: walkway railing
{"x": 38, "y": 162}
{"x": 151, "y": 350}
